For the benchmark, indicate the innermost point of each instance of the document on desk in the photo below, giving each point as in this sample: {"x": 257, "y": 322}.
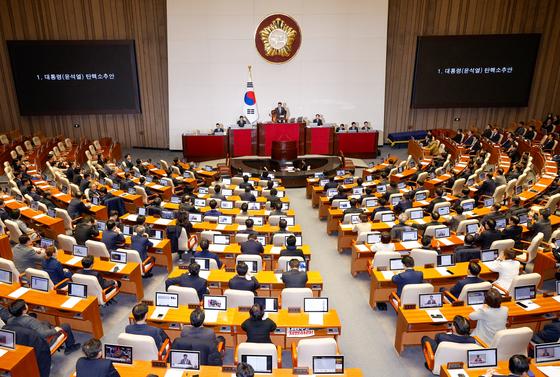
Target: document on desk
{"x": 446, "y": 241}
{"x": 71, "y": 302}
{"x": 457, "y": 372}
{"x": 23, "y": 208}
{"x": 159, "y": 313}
{"x": 174, "y": 372}
{"x": 390, "y": 224}
{"x": 37, "y": 217}
{"x": 557, "y": 298}
{"x": 220, "y": 226}
{"x": 419, "y": 221}
{"x": 217, "y": 248}
{"x": 204, "y": 274}
{"x": 528, "y": 305}
{"x": 59, "y": 194}
{"x": 362, "y": 248}
{"x": 435, "y": 315}
{"x": 423, "y": 202}
{"x": 316, "y": 318}
{"x": 132, "y": 218}
{"x": 388, "y": 275}
{"x": 346, "y": 226}
{"x": 74, "y": 260}
{"x": 275, "y": 250}
{"x": 157, "y": 187}
{"x": 117, "y": 267}
{"x": 3, "y": 352}
{"x": 211, "y": 316}
{"x": 18, "y": 292}
{"x": 155, "y": 241}
{"x": 461, "y": 237}
{"x": 550, "y": 371}
{"x": 163, "y": 222}
{"x": 443, "y": 271}
{"x": 409, "y": 245}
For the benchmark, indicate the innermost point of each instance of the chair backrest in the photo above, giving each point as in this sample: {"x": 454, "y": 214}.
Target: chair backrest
{"x": 555, "y": 235}
{"x": 97, "y": 249}
{"x": 422, "y": 176}
{"x": 510, "y": 187}
{"x": 131, "y": 255}
{"x": 274, "y": 220}
{"x": 381, "y": 258}
{"x": 293, "y": 297}
{"x": 28, "y": 145}
{"x": 93, "y": 287}
{"x": 502, "y": 245}
{"x": 142, "y": 192}
{"x": 66, "y": 243}
{"x": 4, "y": 139}
{"x": 264, "y": 349}
{"x": 431, "y": 230}
{"x": 511, "y": 342}
{"x": 422, "y": 257}
{"x": 283, "y": 261}
{"x": 187, "y": 295}
{"x": 452, "y": 352}
{"x": 208, "y": 235}
{"x": 9, "y": 265}
{"x": 279, "y": 239}
{"x": 378, "y": 215}
{"x": 39, "y": 273}
{"x": 183, "y": 240}
{"x": 534, "y": 247}
{"x": 410, "y": 292}
{"x": 462, "y": 227}
{"x": 524, "y": 279}
{"x": 240, "y": 219}
{"x": 458, "y": 186}
{"x": 500, "y": 194}
{"x": 552, "y": 203}
{"x": 237, "y": 298}
{"x": 210, "y": 219}
{"x": 307, "y": 348}
{"x": 484, "y": 286}
{"x": 437, "y": 206}
{"x": 164, "y": 164}
{"x": 250, "y": 258}
{"x": 241, "y": 237}
{"x": 63, "y": 214}
{"x": 144, "y": 346}
{"x": 15, "y": 232}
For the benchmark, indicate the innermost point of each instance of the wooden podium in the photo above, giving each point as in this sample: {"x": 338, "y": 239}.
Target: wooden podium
{"x": 269, "y": 132}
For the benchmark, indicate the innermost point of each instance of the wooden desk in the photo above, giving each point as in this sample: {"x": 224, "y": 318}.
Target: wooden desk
{"x": 271, "y": 286}
{"x": 5, "y": 247}
{"x": 204, "y": 147}
{"x": 130, "y": 276}
{"x": 270, "y": 257}
{"x": 234, "y": 228}
{"x": 502, "y": 369}
{"x": 84, "y": 316}
{"x": 20, "y": 362}
{"x": 51, "y": 226}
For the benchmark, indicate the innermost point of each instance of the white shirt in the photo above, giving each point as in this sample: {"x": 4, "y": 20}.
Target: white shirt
{"x": 489, "y": 321}
{"x": 507, "y": 270}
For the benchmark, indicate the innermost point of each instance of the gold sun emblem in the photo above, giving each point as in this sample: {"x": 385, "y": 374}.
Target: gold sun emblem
{"x": 278, "y": 38}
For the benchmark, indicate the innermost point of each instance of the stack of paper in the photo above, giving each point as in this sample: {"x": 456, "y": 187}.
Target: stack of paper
{"x": 18, "y": 292}
{"x": 363, "y": 248}
{"x": 159, "y": 313}
{"x": 220, "y": 227}
{"x": 409, "y": 245}
{"x": 443, "y": 271}
{"x": 216, "y": 248}
{"x": 550, "y": 371}
{"x": 445, "y": 241}
{"x": 132, "y": 218}
{"x": 211, "y": 316}
{"x": 388, "y": 275}
{"x": 74, "y": 260}
{"x": 71, "y": 302}
{"x": 316, "y": 318}
{"x": 275, "y": 250}
{"x": 163, "y": 221}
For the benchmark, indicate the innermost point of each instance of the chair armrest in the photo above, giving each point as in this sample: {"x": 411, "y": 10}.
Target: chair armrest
{"x": 235, "y": 359}
{"x": 480, "y": 341}
{"x": 62, "y": 282}
{"x": 147, "y": 261}
{"x": 221, "y": 347}
{"x": 294, "y": 355}
{"x": 393, "y": 296}
{"x": 163, "y": 350}
{"x": 498, "y": 287}
{"x": 428, "y": 355}
{"x": 279, "y": 351}
{"x": 524, "y": 241}
{"x": 449, "y": 296}
{"x": 21, "y": 278}
{"x": 77, "y": 220}
{"x": 104, "y": 291}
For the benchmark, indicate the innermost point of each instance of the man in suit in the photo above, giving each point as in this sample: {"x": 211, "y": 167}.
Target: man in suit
{"x": 197, "y": 332}
{"x": 20, "y": 317}
{"x": 354, "y": 207}
{"x": 93, "y": 365}
{"x": 330, "y": 184}
{"x": 513, "y": 231}
{"x": 85, "y": 230}
{"x": 246, "y": 183}
{"x": 242, "y": 121}
{"x": 154, "y": 209}
{"x": 469, "y": 139}
{"x": 243, "y": 282}
{"x": 249, "y": 223}
{"x": 54, "y": 268}
{"x": 404, "y": 204}
{"x": 459, "y": 136}
{"x": 87, "y": 264}
{"x": 500, "y": 178}
{"x": 460, "y": 333}
{"x": 438, "y": 199}
{"x": 366, "y": 127}
{"x": 487, "y": 187}
{"x": 488, "y": 234}
{"x": 84, "y": 184}
{"x": 128, "y": 161}
{"x": 494, "y": 214}
{"x": 4, "y": 215}
{"x": 190, "y": 280}
{"x": 213, "y": 211}
{"x": 408, "y": 276}
{"x": 317, "y": 121}
{"x": 487, "y": 131}
{"x": 141, "y": 166}
{"x": 281, "y": 113}
{"x": 205, "y": 253}
{"x": 294, "y": 278}
{"x": 382, "y": 207}
{"x": 112, "y": 237}
{"x": 247, "y": 196}
{"x": 25, "y": 255}
{"x": 139, "y": 327}
{"x": 468, "y": 251}
{"x": 472, "y": 278}
{"x": 531, "y": 133}
{"x": 141, "y": 243}
{"x": 550, "y": 333}
{"x": 541, "y": 223}
{"x": 252, "y": 246}
{"x": 76, "y": 207}
{"x": 495, "y": 136}
{"x": 291, "y": 249}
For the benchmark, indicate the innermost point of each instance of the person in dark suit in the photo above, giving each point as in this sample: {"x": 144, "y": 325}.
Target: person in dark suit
{"x": 281, "y": 113}
{"x": 550, "y": 333}
{"x": 330, "y": 184}
{"x": 140, "y": 242}
{"x": 242, "y": 121}
{"x": 438, "y": 199}
{"x": 340, "y": 194}
{"x": 201, "y": 336}
{"x": 139, "y": 327}
{"x": 258, "y": 329}
{"x": 213, "y": 211}
{"x": 87, "y": 264}
{"x": 513, "y": 231}
{"x": 531, "y": 133}
{"x": 494, "y": 214}
{"x": 84, "y": 184}
{"x": 205, "y": 253}
{"x": 460, "y": 333}
{"x": 190, "y": 280}
{"x": 154, "y": 209}
{"x": 112, "y": 237}
{"x": 76, "y": 207}
{"x": 541, "y": 223}
{"x": 291, "y": 249}
{"x": 252, "y": 246}
{"x": 459, "y": 136}
{"x": 247, "y": 196}
{"x": 469, "y": 139}
{"x": 495, "y": 136}
{"x": 472, "y": 278}
{"x": 93, "y": 365}
{"x": 54, "y": 268}
{"x": 128, "y": 161}
{"x": 404, "y": 204}
{"x": 294, "y": 278}
{"x": 354, "y": 207}
{"x": 408, "y": 276}
{"x": 85, "y": 230}
{"x": 30, "y": 338}
{"x": 241, "y": 281}
{"x": 4, "y": 215}
{"x": 548, "y": 143}
{"x": 317, "y": 121}
{"x": 382, "y": 207}
{"x": 487, "y": 187}
{"x": 218, "y": 193}
{"x": 488, "y": 234}
{"x": 246, "y": 183}
{"x": 468, "y": 251}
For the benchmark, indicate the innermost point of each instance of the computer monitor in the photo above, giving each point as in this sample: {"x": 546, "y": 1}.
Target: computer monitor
{"x": 149, "y": 179}
{"x": 444, "y": 210}
{"x": 132, "y": 191}
{"x": 204, "y": 263}
{"x": 77, "y": 290}
{"x": 518, "y": 190}
{"x": 446, "y": 260}
{"x": 156, "y": 234}
{"x": 167, "y": 300}
{"x": 430, "y": 300}
{"x": 357, "y": 191}
{"x": 476, "y": 297}
{"x": 523, "y": 218}
{"x": 203, "y": 190}
{"x": 401, "y": 185}
{"x": 381, "y": 189}
{"x": 214, "y": 302}
{"x": 316, "y": 305}
{"x": 348, "y": 181}
{"x": 254, "y": 206}
{"x": 226, "y": 204}
{"x": 46, "y": 242}
{"x": 39, "y": 283}
{"x": 416, "y": 214}
{"x": 323, "y": 182}
{"x": 340, "y": 172}
{"x": 221, "y": 239}
{"x": 175, "y": 200}
{"x": 101, "y": 226}
{"x": 387, "y": 217}
{"x": 227, "y": 192}
{"x": 116, "y": 186}
{"x": 488, "y": 202}
{"x": 344, "y": 204}
{"x": 290, "y": 220}
{"x": 396, "y": 199}
{"x": 225, "y": 220}
{"x": 168, "y": 215}
{"x": 79, "y": 251}
{"x": 261, "y": 240}
{"x": 500, "y": 223}
{"x": 467, "y": 205}
{"x": 419, "y": 196}
{"x": 484, "y": 358}
{"x": 301, "y": 267}
{"x": 547, "y": 352}
{"x": 188, "y": 360}
{"x": 331, "y": 192}
{"x": 269, "y": 304}
{"x": 252, "y": 265}
{"x": 396, "y": 264}
{"x": 127, "y": 230}
{"x": 373, "y": 238}
{"x": 7, "y": 339}
{"x": 299, "y": 240}
{"x": 371, "y": 202}
{"x": 471, "y": 228}
{"x": 200, "y": 203}
{"x": 118, "y": 354}
{"x": 260, "y": 363}
{"x": 257, "y": 220}
{"x": 195, "y": 217}
{"x": 355, "y": 219}
{"x": 441, "y": 232}
{"x": 118, "y": 257}
{"x": 318, "y": 175}
{"x": 526, "y": 292}
{"x": 5, "y": 276}
{"x": 328, "y": 364}
{"x": 488, "y": 255}
{"x": 400, "y": 169}
{"x": 142, "y": 211}
{"x": 410, "y": 235}
{"x": 369, "y": 178}
{"x": 226, "y": 181}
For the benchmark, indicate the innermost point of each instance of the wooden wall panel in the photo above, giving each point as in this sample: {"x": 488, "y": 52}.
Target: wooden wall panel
{"x": 141, "y": 20}
{"x": 411, "y": 18}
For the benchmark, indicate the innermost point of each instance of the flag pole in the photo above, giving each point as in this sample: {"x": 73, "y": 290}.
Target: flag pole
{"x": 250, "y": 73}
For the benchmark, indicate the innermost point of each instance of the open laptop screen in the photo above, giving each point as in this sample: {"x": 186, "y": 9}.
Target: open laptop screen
{"x": 485, "y": 358}
{"x": 118, "y": 353}
{"x": 189, "y": 360}
{"x": 260, "y": 363}
{"x": 546, "y": 353}
{"x": 215, "y": 302}
{"x": 328, "y": 364}
{"x": 167, "y": 300}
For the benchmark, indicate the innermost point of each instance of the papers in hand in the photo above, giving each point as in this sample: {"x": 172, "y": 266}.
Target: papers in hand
{"x": 18, "y": 292}
{"x": 71, "y": 302}
{"x": 316, "y": 318}
{"x": 159, "y": 313}
{"x": 74, "y": 260}
{"x": 211, "y": 316}
{"x": 435, "y": 315}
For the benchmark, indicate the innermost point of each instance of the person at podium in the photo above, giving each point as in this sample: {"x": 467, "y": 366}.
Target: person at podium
{"x": 317, "y": 121}
{"x": 219, "y": 130}
{"x": 279, "y": 113}
{"x": 366, "y": 127}
{"x": 340, "y": 128}
{"x": 242, "y": 122}
{"x": 353, "y": 127}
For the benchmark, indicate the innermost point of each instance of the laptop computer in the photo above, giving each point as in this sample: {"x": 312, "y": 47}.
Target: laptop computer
{"x": 322, "y": 365}
{"x": 442, "y": 232}
{"x": 373, "y": 238}
{"x": 416, "y": 214}
{"x": 195, "y": 217}
{"x": 79, "y": 251}
{"x": 5, "y": 276}
{"x": 488, "y": 255}
{"x": 225, "y": 220}
{"x": 46, "y": 242}
{"x": 387, "y": 217}
{"x": 395, "y": 264}
{"x": 476, "y": 297}
{"x": 430, "y": 300}
{"x": 269, "y": 304}
{"x": 485, "y": 358}
{"x": 167, "y": 300}
{"x": 526, "y": 292}
{"x": 7, "y": 339}
{"x": 118, "y": 354}
{"x": 446, "y": 260}
{"x": 409, "y": 235}
{"x": 221, "y": 239}
{"x": 260, "y": 363}
{"x": 547, "y": 352}
{"x": 471, "y": 228}
{"x": 77, "y": 290}
{"x": 39, "y": 283}
{"x": 316, "y": 305}
{"x": 186, "y": 360}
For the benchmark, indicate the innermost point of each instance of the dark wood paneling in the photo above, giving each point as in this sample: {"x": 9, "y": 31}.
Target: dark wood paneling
{"x": 145, "y": 21}
{"x": 410, "y": 18}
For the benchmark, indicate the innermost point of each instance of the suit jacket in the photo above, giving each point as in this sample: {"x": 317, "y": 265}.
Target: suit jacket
{"x": 318, "y": 122}
{"x": 549, "y": 334}
{"x": 242, "y": 284}
{"x": 458, "y": 287}
{"x": 112, "y": 239}
{"x": 292, "y": 252}
{"x": 252, "y": 247}
{"x": 430, "y": 207}
{"x": 104, "y": 283}
{"x": 55, "y": 270}
{"x": 143, "y": 329}
{"x": 294, "y": 279}
{"x": 76, "y": 208}
{"x": 43, "y": 329}
{"x": 247, "y": 197}
{"x": 153, "y": 211}
{"x": 95, "y": 368}
{"x": 25, "y": 257}
{"x": 141, "y": 244}
{"x": 84, "y": 232}
{"x": 407, "y": 277}
{"x": 209, "y": 255}
{"x": 513, "y": 232}
{"x": 458, "y": 138}
{"x": 487, "y": 188}
{"x": 186, "y": 280}
{"x": 403, "y": 205}
{"x": 209, "y": 354}
{"x": 486, "y": 238}
{"x": 542, "y": 226}
{"x": 30, "y": 338}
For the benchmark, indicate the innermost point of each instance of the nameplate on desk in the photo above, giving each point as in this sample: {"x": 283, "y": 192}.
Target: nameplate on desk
{"x": 148, "y": 302}
{"x": 455, "y": 365}
{"x": 229, "y": 369}
{"x": 243, "y": 309}
{"x": 298, "y": 371}
{"x": 299, "y": 332}
{"x": 294, "y": 310}
{"x": 429, "y": 265}
{"x": 409, "y": 306}
{"x": 183, "y": 267}
{"x": 458, "y": 303}
{"x": 159, "y": 364}
{"x": 193, "y": 306}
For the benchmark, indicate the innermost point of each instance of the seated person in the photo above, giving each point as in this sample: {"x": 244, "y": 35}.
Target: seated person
{"x": 205, "y": 253}
{"x": 218, "y": 193}
{"x": 219, "y": 130}
{"x": 154, "y": 209}
{"x": 467, "y": 251}
{"x": 258, "y": 329}
{"x": 139, "y": 327}
{"x": 364, "y": 226}
{"x": 382, "y": 207}
{"x": 550, "y": 333}
{"x": 294, "y": 278}
{"x": 252, "y": 246}
{"x": 213, "y": 211}
{"x": 507, "y": 268}
{"x": 354, "y": 207}
{"x": 247, "y": 196}
{"x": 246, "y": 183}
{"x": 540, "y": 223}
{"x": 190, "y": 280}
{"x": 141, "y": 243}
{"x": 15, "y": 216}
{"x": 330, "y": 184}
{"x": 283, "y": 226}
{"x": 54, "y": 268}
{"x": 353, "y": 127}
{"x": 242, "y": 121}
{"x": 405, "y": 203}
{"x": 472, "y": 278}
{"x": 457, "y": 218}
{"x": 276, "y": 209}
{"x": 25, "y": 255}
{"x": 86, "y": 230}
{"x": 197, "y": 331}
{"x": 20, "y": 317}
{"x": 87, "y": 264}
{"x": 112, "y": 237}
{"x": 513, "y": 231}
{"x": 488, "y": 234}
{"x": 248, "y": 227}
{"x": 340, "y": 194}
{"x": 438, "y": 199}
{"x": 385, "y": 244}
{"x": 366, "y": 126}
{"x": 317, "y": 121}
{"x": 460, "y": 333}
{"x": 243, "y": 282}
{"x": 518, "y": 366}
{"x": 493, "y": 214}
{"x": 408, "y": 276}
{"x": 291, "y": 249}
{"x": 491, "y": 318}
{"x": 93, "y": 364}
{"x": 273, "y": 198}
{"x": 340, "y": 128}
